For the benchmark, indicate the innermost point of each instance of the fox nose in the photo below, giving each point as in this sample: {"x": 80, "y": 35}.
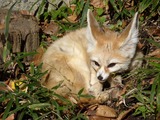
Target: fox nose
{"x": 100, "y": 77}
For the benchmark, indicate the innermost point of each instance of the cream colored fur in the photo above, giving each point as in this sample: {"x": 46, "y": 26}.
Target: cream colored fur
{"x": 85, "y": 58}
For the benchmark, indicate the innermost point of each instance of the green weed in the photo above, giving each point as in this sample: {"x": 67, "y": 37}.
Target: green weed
{"x": 31, "y": 100}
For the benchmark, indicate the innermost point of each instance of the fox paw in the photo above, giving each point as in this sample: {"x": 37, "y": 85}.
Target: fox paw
{"x": 103, "y": 96}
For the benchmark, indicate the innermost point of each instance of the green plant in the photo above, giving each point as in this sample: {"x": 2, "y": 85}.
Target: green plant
{"x": 7, "y": 47}
{"x": 148, "y": 94}
{"x": 121, "y": 9}
{"x": 31, "y": 100}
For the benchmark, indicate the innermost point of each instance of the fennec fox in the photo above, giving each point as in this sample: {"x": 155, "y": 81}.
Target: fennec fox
{"x": 85, "y": 58}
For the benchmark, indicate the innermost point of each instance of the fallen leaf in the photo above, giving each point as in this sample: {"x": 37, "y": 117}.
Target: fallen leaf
{"x": 25, "y": 12}
{"x": 124, "y": 23}
{"x": 155, "y": 53}
{"x": 1, "y": 26}
{"x": 72, "y": 18}
{"x": 73, "y": 7}
{"x": 100, "y": 118}
{"x": 37, "y": 58}
{"x": 2, "y": 23}
{"x": 106, "y": 111}
{"x": 100, "y": 112}
{"x": 4, "y": 86}
{"x": 125, "y": 113}
{"x": 97, "y": 3}
{"x": 140, "y": 46}
{"x": 50, "y": 28}
{"x": 153, "y": 30}
{"x": 11, "y": 117}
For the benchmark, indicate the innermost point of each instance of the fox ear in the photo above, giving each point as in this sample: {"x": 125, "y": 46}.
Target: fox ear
{"x": 93, "y": 31}
{"x": 129, "y": 38}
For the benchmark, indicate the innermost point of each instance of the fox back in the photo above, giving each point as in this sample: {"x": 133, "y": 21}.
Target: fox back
{"x": 85, "y": 58}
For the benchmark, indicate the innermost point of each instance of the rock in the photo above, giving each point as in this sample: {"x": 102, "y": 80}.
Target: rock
{"x": 28, "y": 4}
{"x": 22, "y": 5}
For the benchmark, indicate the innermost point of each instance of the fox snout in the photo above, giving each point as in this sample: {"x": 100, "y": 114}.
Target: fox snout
{"x": 102, "y": 74}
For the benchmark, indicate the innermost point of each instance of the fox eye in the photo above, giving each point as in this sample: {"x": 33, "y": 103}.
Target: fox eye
{"x": 96, "y": 63}
{"x": 111, "y": 65}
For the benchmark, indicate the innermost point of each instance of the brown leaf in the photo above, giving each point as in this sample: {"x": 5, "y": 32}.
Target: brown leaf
{"x": 97, "y": 3}
{"x": 72, "y": 18}
{"x": 125, "y": 113}
{"x": 6, "y": 86}
{"x": 124, "y": 23}
{"x": 140, "y": 46}
{"x": 11, "y": 117}
{"x": 37, "y": 58}
{"x": 153, "y": 30}
{"x": 155, "y": 53}
{"x": 106, "y": 111}
{"x": 1, "y": 26}
{"x": 50, "y": 28}
{"x": 99, "y": 118}
{"x": 73, "y": 7}
{"x": 157, "y": 32}
{"x": 25, "y": 12}
{"x": 2, "y": 23}
{"x": 98, "y": 111}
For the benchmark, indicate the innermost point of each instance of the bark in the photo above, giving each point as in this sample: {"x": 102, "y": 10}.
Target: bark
{"x": 23, "y": 32}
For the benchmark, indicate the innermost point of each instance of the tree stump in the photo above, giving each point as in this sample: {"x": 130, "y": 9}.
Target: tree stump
{"x": 23, "y": 32}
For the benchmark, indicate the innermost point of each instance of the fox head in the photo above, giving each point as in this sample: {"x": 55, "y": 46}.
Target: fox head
{"x": 110, "y": 51}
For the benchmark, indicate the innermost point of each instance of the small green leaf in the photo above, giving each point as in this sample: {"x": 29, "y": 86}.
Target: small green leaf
{"x": 38, "y": 106}
{"x": 80, "y": 92}
{"x": 84, "y": 13}
{"x": 102, "y": 19}
{"x": 41, "y": 8}
{"x": 20, "y": 64}
{"x": 144, "y": 5}
{"x": 8, "y": 107}
{"x": 114, "y": 5}
{"x": 7, "y": 19}
{"x": 99, "y": 11}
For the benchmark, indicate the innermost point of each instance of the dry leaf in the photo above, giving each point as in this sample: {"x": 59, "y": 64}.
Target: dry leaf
{"x": 97, "y": 3}
{"x": 99, "y": 118}
{"x": 11, "y": 117}
{"x": 73, "y": 7}
{"x": 37, "y": 58}
{"x": 100, "y": 112}
{"x": 5, "y": 86}
{"x": 106, "y": 111}
{"x": 25, "y": 12}
{"x": 153, "y": 30}
{"x": 140, "y": 46}
{"x": 157, "y": 32}
{"x": 2, "y": 23}
{"x": 125, "y": 113}
{"x": 72, "y": 18}
{"x": 50, "y": 28}
{"x": 1, "y": 26}
{"x": 155, "y": 53}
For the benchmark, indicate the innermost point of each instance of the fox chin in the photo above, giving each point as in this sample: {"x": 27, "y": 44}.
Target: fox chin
{"x": 85, "y": 58}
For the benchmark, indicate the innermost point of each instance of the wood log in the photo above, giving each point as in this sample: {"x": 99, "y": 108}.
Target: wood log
{"x": 23, "y": 32}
